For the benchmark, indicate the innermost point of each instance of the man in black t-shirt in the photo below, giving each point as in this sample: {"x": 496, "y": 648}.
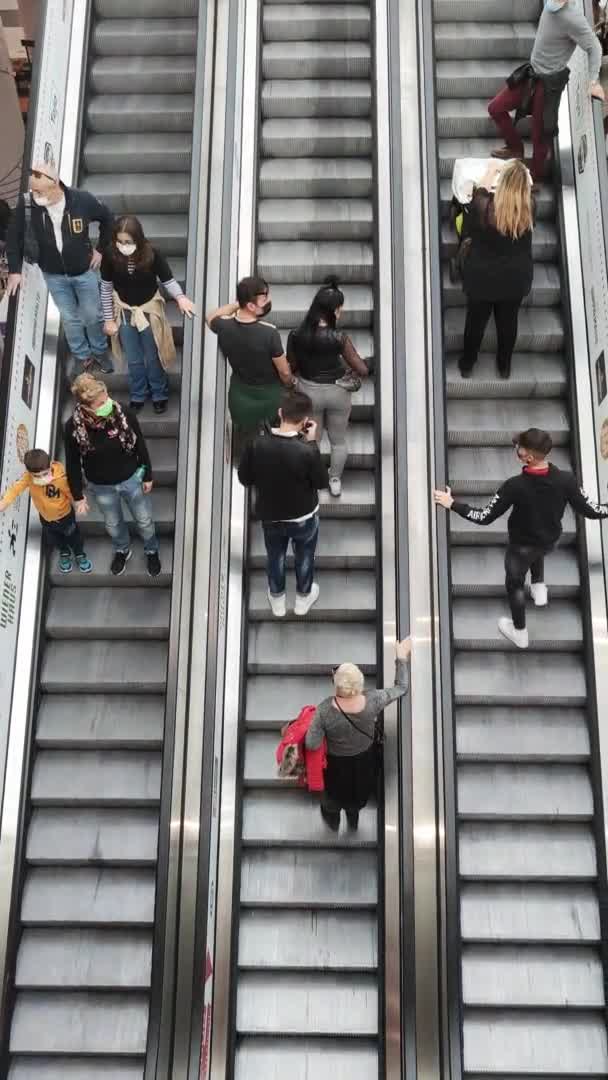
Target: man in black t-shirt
{"x": 253, "y": 348}
{"x": 539, "y": 496}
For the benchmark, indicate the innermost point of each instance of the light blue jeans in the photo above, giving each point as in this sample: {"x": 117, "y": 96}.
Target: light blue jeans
{"x": 146, "y": 373}
{"x": 79, "y": 304}
{"x": 109, "y": 499}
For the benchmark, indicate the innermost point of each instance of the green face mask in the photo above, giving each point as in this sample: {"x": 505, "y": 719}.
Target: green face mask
{"x": 106, "y": 408}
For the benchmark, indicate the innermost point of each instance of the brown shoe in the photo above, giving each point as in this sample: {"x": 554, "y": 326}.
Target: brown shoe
{"x": 504, "y": 153}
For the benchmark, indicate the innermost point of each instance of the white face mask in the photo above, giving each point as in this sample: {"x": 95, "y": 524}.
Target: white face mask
{"x": 41, "y": 200}
{"x": 42, "y": 479}
{"x": 127, "y": 249}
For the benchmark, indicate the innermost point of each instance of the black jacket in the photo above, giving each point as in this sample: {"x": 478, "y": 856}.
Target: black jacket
{"x": 496, "y": 266}
{"x": 81, "y": 208}
{"x": 539, "y": 501}
{"x": 286, "y": 472}
{"x": 108, "y": 462}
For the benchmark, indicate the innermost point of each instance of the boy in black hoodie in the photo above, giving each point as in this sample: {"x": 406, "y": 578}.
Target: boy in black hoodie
{"x": 538, "y": 497}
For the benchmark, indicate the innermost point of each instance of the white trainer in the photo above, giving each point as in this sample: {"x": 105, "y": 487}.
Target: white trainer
{"x": 304, "y": 603}
{"x": 518, "y": 637}
{"x": 540, "y": 594}
{"x": 278, "y": 605}
{"x": 335, "y": 486}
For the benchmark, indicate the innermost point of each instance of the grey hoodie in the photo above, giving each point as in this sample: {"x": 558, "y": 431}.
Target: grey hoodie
{"x": 558, "y": 34}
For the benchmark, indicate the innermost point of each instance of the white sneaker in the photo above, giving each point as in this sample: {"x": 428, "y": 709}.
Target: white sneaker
{"x": 335, "y": 486}
{"x": 304, "y": 603}
{"x": 540, "y": 594}
{"x": 518, "y": 637}
{"x": 278, "y": 605}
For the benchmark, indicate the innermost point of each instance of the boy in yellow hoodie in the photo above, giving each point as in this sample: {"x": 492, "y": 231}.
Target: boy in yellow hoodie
{"x": 48, "y": 486}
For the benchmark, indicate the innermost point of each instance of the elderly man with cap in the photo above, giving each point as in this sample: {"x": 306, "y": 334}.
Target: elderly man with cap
{"x": 50, "y": 227}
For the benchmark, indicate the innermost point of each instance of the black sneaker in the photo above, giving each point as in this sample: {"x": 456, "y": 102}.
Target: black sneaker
{"x": 353, "y": 820}
{"x": 160, "y": 406}
{"x": 331, "y": 818}
{"x": 136, "y": 405}
{"x": 119, "y": 562}
{"x": 153, "y": 565}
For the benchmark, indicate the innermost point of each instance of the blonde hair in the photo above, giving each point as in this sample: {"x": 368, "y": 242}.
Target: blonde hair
{"x": 348, "y": 680}
{"x": 86, "y": 388}
{"x": 513, "y": 201}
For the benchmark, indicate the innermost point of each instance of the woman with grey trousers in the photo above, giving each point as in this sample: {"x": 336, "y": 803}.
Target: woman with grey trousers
{"x": 326, "y": 363}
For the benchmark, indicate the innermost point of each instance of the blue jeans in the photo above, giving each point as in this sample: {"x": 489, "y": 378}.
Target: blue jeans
{"x": 146, "y": 373}
{"x": 109, "y": 499}
{"x": 303, "y": 536}
{"x": 79, "y": 304}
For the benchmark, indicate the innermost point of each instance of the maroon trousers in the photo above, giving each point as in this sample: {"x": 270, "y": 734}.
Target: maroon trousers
{"x": 505, "y": 103}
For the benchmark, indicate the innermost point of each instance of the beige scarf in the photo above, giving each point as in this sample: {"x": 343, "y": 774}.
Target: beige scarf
{"x": 157, "y": 320}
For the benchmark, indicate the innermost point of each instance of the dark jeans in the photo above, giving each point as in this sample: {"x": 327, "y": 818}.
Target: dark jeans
{"x": 64, "y": 534}
{"x": 518, "y": 560}
{"x": 303, "y": 536}
{"x": 505, "y": 315}
{"x": 506, "y": 102}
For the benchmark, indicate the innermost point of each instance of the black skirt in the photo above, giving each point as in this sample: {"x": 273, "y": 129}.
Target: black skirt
{"x": 349, "y": 781}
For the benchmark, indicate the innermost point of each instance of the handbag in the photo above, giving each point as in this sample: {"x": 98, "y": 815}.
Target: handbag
{"x": 456, "y": 265}
{"x": 376, "y": 740}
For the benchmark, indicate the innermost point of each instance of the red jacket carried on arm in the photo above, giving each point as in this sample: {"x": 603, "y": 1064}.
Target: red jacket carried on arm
{"x": 314, "y": 761}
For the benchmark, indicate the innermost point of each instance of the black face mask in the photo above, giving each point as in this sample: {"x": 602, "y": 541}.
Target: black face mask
{"x": 265, "y": 310}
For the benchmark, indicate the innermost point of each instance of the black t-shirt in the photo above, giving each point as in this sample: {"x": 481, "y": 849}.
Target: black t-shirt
{"x": 140, "y": 286}
{"x": 249, "y": 348}
{"x": 317, "y": 356}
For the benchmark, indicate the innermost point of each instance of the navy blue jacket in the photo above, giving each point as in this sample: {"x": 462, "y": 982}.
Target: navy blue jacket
{"x": 81, "y": 208}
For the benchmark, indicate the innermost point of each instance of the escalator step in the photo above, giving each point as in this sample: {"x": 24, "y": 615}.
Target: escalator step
{"x": 96, "y": 778}
{"x": 345, "y": 596}
{"x": 84, "y": 959}
{"x": 484, "y": 11}
{"x": 100, "y": 720}
{"x": 532, "y": 375}
{"x": 316, "y": 97}
{"x": 306, "y": 261}
{"x": 494, "y": 423}
{"x": 528, "y": 851}
{"x": 515, "y": 679}
{"x": 498, "y": 40}
{"x": 291, "y": 302}
{"x": 141, "y": 74}
{"x": 138, "y": 153}
{"x": 146, "y": 37}
{"x": 516, "y": 792}
{"x": 473, "y": 79}
{"x": 344, "y": 1059}
{"x": 152, "y": 9}
{"x": 314, "y": 22}
{"x": 122, "y": 613}
{"x": 315, "y": 177}
{"x": 88, "y": 896}
{"x": 77, "y": 1023}
{"x": 498, "y": 1044}
{"x": 108, "y": 666}
{"x": 292, "y": 819}
{"x": 74, "y": 1068}
{"x": 106, "y": 835}
{"x": 528, "y": 912}
{"x": 140, "y": 112}
{"x": 310, "y": 1003}
{"x": 313, "y": 649}
{"x": 537, "y": 977}
{"x": 548, "y": 735}
{"x": 558, "y": 626}
{"x": 272, "y": 702}
{"x": 317, "y": 941}
{"x": 300, "y": 137}
{"x": 316, "y": 60}
{"x": 320, "y": 219}
{"x": 135, "y": 575}
{"x": 314, "y": 878}
{"x": 482, "y": 573}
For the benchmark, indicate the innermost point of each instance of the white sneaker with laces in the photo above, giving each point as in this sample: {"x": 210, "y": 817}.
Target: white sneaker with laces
{"x": 540, "y": 594}
{"x": 335, "y": 486}
{"x": 277, "y": 604}
{"x": 304, "y": 603}
{"x": 518, "y": 637}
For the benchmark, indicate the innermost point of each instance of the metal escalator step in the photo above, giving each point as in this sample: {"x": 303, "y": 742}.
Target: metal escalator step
{"x": 344, "y": 1059}
{"x": 544, "y": 197}
{"x": 355, "y": 550}
{"x": 546, "y": 288}
{"x": 530, "y": 792}
{"x": 549, "y": 1044}
{"x": 519, "y": 679}
{"x": 467, "y": 532}
{"x": 484, "y": 10}
{"x": 345, "y": 596}
{"x": 140, "y": 112}
{"x": 104, "y": 721}
{"x": 527, "y": 851}
{"x": 291, "y": 302}
{"x": 159, "y": 193}
{"x": 59, "y": 837}
{"x": 100, "y": 554}
{"x": 360, "y": 444}
{"x": 526, "y": 736}
{"x": 358, "y": 497}
{"x": 315, "y": 177}
{"x": 138, "y": 153}
{"x": 142, "y": 74}
{"x": 79, "y": 1023}
{"x": 307, "y": 261}
{"x": 326, "y": 137}
{"x": 320, "y": 219}
{"x": 316, "y": 60}
{"x": 309, "y": 1003}
{"x": 96, "y": 778}
{"x": 451, "y": 149}
{"x": 544, "y": 241}
{"x": 316, "y": 22}
{"x": 144, "y": 37}
{"x": 558, "y": 626}
{"x": 481, "y": 470}
{"x": 314, "y": 878}
{"x": 318, "y": 940}
{"x": 163, "y": 512}
{"x": 540, "y": 330}
{"x": 481, "y": 572}
{"x": 316, "y": 97}
{"x": 84, "y": 959}
{"x": 552, "y": 912}
{"x": 291, "y": 819}
{"x": 494, "y": 423}
{"x": 312, "y": 648}
{"x": 128, "y": 667}
{"x": 153, "y": 9}
{"x": 473, "y": 79}
{"x": 272, "y": 702}
{"x": 497, "y": 40}
{"x": 88, "y": 896}
{"x": 56, "y": 1067}
{"x": 538, "y": 977}
{"x": 532, "y": 375}
{"x": 109, "y": 613}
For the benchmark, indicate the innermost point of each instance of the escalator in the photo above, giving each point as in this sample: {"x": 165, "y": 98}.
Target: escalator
{"x": 307, "y": 998}
{"x": 87, "y": 908}
{"x": 531, "y": 972}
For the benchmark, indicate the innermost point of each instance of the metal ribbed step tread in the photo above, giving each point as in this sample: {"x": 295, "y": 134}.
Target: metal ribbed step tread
{"x": 315, "y": 177}
{"x": 532, "y": 375}
{"x": 533, "y": 734}
{"x": 138, "y": 74}
{"x": 304, "y": 261}
{"x": 74, "y": 1068}
{"x": 133, "y": 613}
{"x": 309, "y": 878}
{"x": 300, "y": 137}
{"x": 482, "y": 572}
{"x": 96, "y": 777}
{"x": 344, "y": 596}
{"x": 100, "y": 720}
{"x": 519, "y": 678}
{"x": 313, "y": 649}
{"x": 76, "y": 1023}
{"x": 156, "y": 37}
{"x": 494, "y": 423}
{"x": 109, "y": 666}
{"x": 287, "y": 818}
{"x": 84, "y": 959}
{"x": 518, "y": 912}
{"x": 316, "y": 97}
{"x": 530, "y": 852}
{"x": 316, "y": 941}
{"x": 88, "y": 896}
{"x": 514, "y": 791}
{"x": 556, "y": 627}
{"x": 311, "y": 22}
{"x": 299, "y": 219}
{"x": 307, "y": 1004}
{"x": 103, "y": 835}
{"x": 140, "y": 112}
{"x": 316, "y": 60}
{"x": 495, "y": 39}
{"x": 348, "y": 1059}
{"x": 498, "y": 1044}
{"x": 537, "y": 977}
{"x": 138, "y": 153}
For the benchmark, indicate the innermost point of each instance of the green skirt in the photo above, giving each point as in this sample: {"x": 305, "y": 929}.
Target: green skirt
{"x": 250, "y": 406}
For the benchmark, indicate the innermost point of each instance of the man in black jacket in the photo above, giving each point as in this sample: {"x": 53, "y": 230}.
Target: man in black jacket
{"x": 50, "y": 227}
{"x": 538, "y": 496}
{"x": 286, "y": 469}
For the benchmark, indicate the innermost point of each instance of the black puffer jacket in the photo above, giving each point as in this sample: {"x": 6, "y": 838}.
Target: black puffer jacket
{"x": 496, "y": 267}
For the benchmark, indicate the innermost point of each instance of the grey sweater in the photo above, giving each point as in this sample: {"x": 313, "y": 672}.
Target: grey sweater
{"x": 558, "y": 34}
{"x": 343, "y": 739}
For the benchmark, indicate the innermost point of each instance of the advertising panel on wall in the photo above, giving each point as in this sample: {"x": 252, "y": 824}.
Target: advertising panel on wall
{"x": 25, "y": 361}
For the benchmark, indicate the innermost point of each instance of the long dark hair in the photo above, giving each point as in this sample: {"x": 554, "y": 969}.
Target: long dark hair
{"x": 143, "y": 257}
{"x": 324, "y": 306}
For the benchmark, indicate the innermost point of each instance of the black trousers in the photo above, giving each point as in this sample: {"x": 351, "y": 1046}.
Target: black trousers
{"x": 518, "y": 560}
{"x": 64, "y": 534}
{"x": 506, "y": 314}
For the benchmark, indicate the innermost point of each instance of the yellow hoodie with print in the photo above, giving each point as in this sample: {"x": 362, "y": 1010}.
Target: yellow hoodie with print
{"x": 53, "y": 501}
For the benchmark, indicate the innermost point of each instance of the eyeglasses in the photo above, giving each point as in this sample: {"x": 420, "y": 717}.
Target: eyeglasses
{"x": 40, "y": 175}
